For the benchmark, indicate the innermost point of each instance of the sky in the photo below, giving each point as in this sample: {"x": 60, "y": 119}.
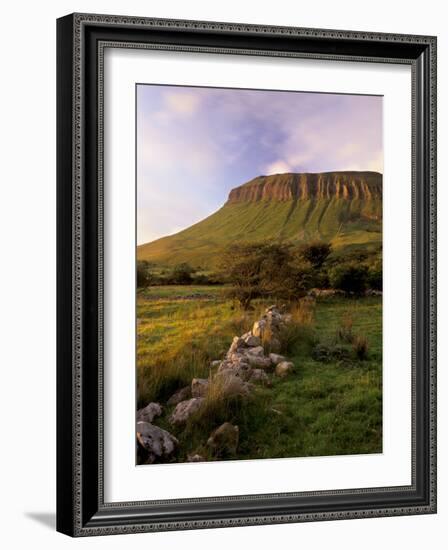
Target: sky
{"x": 196, "y": 144}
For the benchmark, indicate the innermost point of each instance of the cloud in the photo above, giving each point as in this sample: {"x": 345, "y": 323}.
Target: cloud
{"x": 277, "y": 167}
{"x": 182, "y": 103}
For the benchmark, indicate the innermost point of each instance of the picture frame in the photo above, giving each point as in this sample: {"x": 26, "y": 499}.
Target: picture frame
{"x": 81, "y": 506}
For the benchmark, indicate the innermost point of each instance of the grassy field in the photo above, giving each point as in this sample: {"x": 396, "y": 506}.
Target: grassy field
{"x": 328, "y": 406}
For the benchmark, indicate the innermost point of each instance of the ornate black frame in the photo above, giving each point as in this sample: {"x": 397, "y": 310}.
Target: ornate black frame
{"x": 81, "y": 510}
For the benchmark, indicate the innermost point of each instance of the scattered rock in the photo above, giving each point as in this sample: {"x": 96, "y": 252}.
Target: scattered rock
{"x": 224, "y": 440}
{"x": 261, "y": 362}
{"x": 195, "y": 458}
{"x": 232, "y": 385}
{"x": 185, "y": 409}
{"x": 251, "y": 340}
{"x": 215, "y": 364}
{"x": 148, "y": 413}
{"x": 258, "y": 351}
{"x": 276, "y": 358}
{"x": 199, "y": 387}
{"x": 180, "y": 395}
{"x": 236, "y": 344}
{"x": 155, "y": 444}
{"x": 284, "y": 369}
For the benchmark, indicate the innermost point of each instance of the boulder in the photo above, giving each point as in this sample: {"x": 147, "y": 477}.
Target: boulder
{"x": 157, "y": 445}
{"x": 284, "y": 369}
{"x": 258, "y": 351}
{"x": 237, "y": 343}
{"x": 148, "y": 413}
{"x": 195, "y": 458}
{"x": 276, "y": 358}
{"x": 199, "y": 387}
{"x": 260, "y": 362}
{"x": 180, "y": 395}
{"x": 251, "y": 340}
{"x": 240, "y": 369}
{"x": 185, "y": 409}
{"x": 224, "y": 440}
{"x": 231, "y": 384}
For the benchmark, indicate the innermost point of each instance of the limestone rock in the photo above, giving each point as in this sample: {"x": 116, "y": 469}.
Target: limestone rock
{"x": 259, "y": 362}
{"x": 236, "y": 344}
{"x": 185, "y": 409}
{"x": 276, "y": 358}
{"x": 195, "y": 458}
{"x": 258, "y": 351}
{"x": 148, "y": 413}
{"x": 180, "y": 395}
{"x": 251, "y": 340}
{"x": 284, "y": 369}
{"x": 232, "y": 385}
{"x": 199, "y": 387}
{"x": 157, "y": 445}
{"x": 224, "y": 440}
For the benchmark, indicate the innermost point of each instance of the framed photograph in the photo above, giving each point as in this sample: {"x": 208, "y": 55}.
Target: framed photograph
{"x": 246, "y": 274}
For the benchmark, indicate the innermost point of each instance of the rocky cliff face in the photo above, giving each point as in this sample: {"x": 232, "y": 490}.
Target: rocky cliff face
{"x": 285, "y": 187}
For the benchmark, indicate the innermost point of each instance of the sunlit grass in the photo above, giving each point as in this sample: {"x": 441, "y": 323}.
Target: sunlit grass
{"x": 321, "y": 409}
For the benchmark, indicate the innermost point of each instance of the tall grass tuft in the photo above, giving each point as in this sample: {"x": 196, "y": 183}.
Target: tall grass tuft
{"x": 345, "y": 330}
{"x": 361, "y": 347}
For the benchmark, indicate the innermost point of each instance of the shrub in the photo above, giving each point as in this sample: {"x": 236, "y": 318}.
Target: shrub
{"x": 315, "y": 253}
{"x": 182, "y": 274}
{"x": 361, "y": 347}
{"x": 375, "y": 279}
{"x": 263, "y": 270}
{"x": 144, "y": 276}
{"x": 325, "y": 353}
{"x": 349, "y": 278}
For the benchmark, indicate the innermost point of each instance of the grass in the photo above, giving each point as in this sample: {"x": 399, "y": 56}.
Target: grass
{"x": 322, "y": 409}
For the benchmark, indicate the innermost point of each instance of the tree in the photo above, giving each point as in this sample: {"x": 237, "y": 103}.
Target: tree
{"x": 262, "y": 270}
{"x": 316, "y": 253}
{"x": 349, "y": 278}
{"x": 182, "y": 274}
{"x": 143, "y": 274}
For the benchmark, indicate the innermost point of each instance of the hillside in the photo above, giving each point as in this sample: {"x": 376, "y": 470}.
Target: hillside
{"x": 342, "y": 207}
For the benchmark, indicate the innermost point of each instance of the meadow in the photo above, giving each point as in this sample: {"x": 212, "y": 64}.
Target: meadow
{"x": 330, "y": 405}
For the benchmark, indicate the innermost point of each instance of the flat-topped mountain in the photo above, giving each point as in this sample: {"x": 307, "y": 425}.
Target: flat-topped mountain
{"x": 327, "y": 185}
{"x": 344, "y": 208}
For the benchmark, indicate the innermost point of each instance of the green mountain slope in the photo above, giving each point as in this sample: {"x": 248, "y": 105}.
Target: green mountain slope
{"x": 344, "y": 208}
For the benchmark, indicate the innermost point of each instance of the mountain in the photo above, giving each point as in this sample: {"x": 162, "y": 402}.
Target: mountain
{"x": 344, "y": 208}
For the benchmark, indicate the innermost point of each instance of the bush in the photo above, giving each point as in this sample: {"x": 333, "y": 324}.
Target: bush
{"x": 325, "y": 353}
{"x": 182, "y": 274}
{"x": 144, "y": 275}
{"x": 263, "y": 270}
{"x": 350, "y": 278}
{"x": 375, "y": 279}
{"x": 316, "y": 253}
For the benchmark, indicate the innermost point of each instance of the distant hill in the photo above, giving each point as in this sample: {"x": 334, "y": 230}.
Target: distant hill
{"x": 344, "y": 208}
